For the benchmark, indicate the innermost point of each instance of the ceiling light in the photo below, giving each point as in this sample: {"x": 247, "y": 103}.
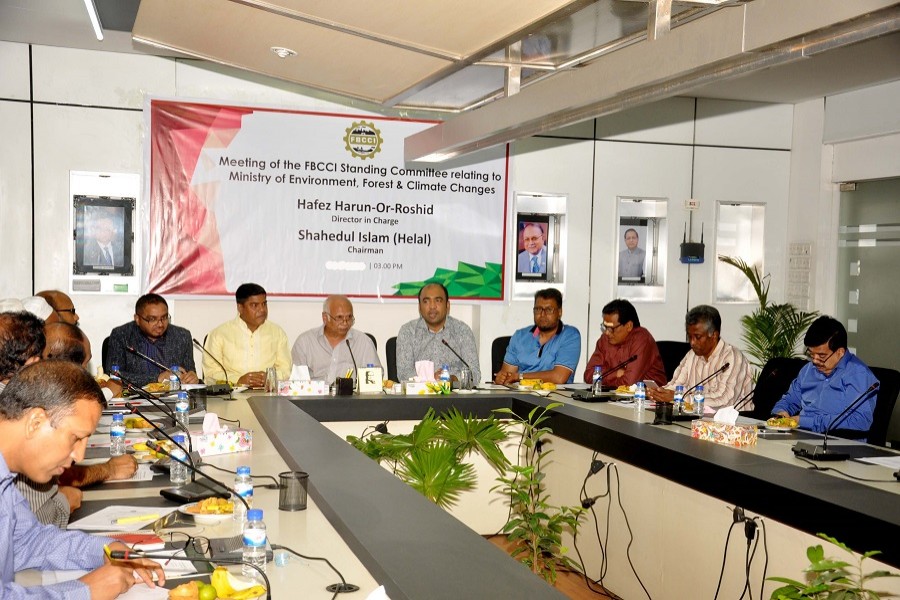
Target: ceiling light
{"x": 95, "y": 19}
{"x": 278, "y": 50}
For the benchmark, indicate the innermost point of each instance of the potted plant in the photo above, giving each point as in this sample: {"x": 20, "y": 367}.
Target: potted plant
{"x": 534, "y": 526}
{"x": 431, "y": 458}
{"x": 832, "y": 579}
{"x": 771, "y": 330}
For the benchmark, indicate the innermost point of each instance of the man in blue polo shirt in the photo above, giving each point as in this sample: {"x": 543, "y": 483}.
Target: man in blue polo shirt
{"x": 548, "y": 350}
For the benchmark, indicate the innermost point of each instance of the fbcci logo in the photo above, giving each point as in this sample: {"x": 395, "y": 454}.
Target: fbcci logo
{"x": 363, "y": 140}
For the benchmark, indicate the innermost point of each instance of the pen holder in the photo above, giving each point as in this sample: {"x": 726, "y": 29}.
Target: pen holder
{"x": 343, "y": 386}
{"x": 293, "y": 490}
{"x": 663, "y": 413}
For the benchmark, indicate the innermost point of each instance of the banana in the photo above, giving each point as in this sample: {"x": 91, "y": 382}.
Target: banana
{"x": 221, "y": 579}
{"x": 250, "y": 592}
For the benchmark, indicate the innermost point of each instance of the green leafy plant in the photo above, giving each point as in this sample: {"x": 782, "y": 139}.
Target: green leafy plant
{"x": 771, "y": 330}
{"x": 431, "y": 457}
{"x": 831, "y": 579}
{"x": 534, "y": 525}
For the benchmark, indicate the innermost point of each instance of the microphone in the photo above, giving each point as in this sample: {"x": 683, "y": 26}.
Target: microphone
{"x": 721, "y": 369}
{"x": 816, "y": 452}
{"x": 185, "y": 491}
{"x": 456, "y": 354}
{"x": 746, "y": 399}
{"x": 131, "y": 554}
{"x": 153, "y": 362}
{"x": 134, "y": 409}
{"x": 214, "y": 389}
{"x": 155, "y": 402}
{"x": 625, "y": 362}
{"x": 353, "y": 358}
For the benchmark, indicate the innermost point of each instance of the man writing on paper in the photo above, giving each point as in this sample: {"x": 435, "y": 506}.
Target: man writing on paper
{"x": 548, "y": 350}
{"x": 324, "y": 349}
{"x": 622, "y": 338}
{"x": 421, "y": 339}
{"x": 248, "y": 344}
{"x": 708, "y": 354}
{"x": 152, "y": 334}
{"x": 833, "y": 378}
{"x": 47, "y": 413}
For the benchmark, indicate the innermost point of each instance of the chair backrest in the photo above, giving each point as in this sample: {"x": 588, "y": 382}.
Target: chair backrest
{"x": 374, "y": 341}
{"x": 772, "y": 383}
{"x": 672, "y": 353}
{"x": 391, "y": 350}
{"x": 104, "y": 353}
{"x": 884, "y": 404}
{"x": 498, "y": 351}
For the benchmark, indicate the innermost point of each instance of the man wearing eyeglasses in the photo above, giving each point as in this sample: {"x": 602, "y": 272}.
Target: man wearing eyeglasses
{"x": 326, "y": 350}
{"x": 152, "y": 334}
{"x": 533, "y": 259}
{"x": 832, "y": 380}
{"x": 548, "y": 350}
{"x": 62, "y": 305}
{"x": 622, "y": 338}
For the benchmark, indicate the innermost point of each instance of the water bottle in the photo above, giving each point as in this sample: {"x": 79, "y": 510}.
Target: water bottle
{"x": 117, "y": 435}
{"x": 445, "y": 373}
{"x": 114, "y": 369}
{"x": 678, "y": 406}
{"x": 597, "y": 381}
{"x": 254, "y": 544}
{"x": 243, "y": 485}
{"x": 178, "y": 472}
{"x": 699, "y": 399}
{"x": 174, "y": 381}
{"x": 640, "y": 396}
{"x": 182, "y": 409}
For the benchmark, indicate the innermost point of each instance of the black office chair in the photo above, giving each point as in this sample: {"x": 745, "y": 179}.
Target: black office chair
{"x": 104, "y": 353}
{"x": 391, "y": 350}
{"x": 884, "y": 404}
{"x": 672, "y": 353}
{"x": 374, "y": 341}
{"x": 498, "y": 351}
{"x": 772, "y": 383}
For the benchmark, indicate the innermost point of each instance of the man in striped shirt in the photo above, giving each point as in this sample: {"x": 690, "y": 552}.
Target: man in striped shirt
{"x": 709, "y": 353}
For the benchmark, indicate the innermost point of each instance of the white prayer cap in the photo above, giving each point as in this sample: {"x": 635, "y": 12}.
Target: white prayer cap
{"x": 11, "y": 305}
{"x": 38, "y": 307}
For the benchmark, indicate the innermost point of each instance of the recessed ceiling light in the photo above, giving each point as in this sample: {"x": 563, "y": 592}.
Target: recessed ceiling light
{"x": 283, "y": 52}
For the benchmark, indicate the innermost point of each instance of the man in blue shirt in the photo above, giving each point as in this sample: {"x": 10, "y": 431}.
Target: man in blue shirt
{"x": 549, "y": 350}
{"x": 832, "y": 380}
{"x": 47, "y": 412}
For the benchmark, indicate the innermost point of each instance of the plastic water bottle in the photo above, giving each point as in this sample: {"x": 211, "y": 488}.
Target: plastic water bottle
{"x": 678, "y": 407}
{"x": 640, "y": 396}
{"x": 117, "y": 435}
{"x": 178, "y": 473}
{"x": 699, "y": 400}
{"x": 445, "y": 373}
{"x": 182, "y": 409}
{"x": 174, "y": 380}
{"x": 243, "y": 485}
{"x": 114, "y": 369}
{"x": 597, "y": 381}
{"x": 254, "y": 544}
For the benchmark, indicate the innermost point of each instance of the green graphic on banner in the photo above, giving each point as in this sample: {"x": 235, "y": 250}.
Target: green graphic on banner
{"x": 467, "y": 281}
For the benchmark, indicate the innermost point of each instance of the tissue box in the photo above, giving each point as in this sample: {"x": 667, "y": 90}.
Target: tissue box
{"x": 417, "y": 387}
{"x": 723, "y": 433}
{"x": 302, "y": 388}
{"x": 224, "y": 442}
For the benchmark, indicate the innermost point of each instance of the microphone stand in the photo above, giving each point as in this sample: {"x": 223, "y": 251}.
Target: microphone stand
{"x": 194, "y": 470}
{"x": 218, "y": 362}
{"x": 815, "y": 452}
{"x": 156, "y": 403}
{"x": 718, "y": 371}
{"x": 131, "y": 554}
{"x": 456, "y": 354}
{"x": 153, "y": 362}
{"x": 624, "y": 363}
{"x": 355, "y": 368}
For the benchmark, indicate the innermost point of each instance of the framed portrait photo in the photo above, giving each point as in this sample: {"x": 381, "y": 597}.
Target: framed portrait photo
{"x": 103, "y": 235}
{"x": 534, "y": 249}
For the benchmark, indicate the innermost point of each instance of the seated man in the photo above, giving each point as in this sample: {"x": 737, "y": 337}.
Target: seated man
{"x": 623, "y": 337}
{"x": 248, "y": 344}
{"x": 827, "y": 385}
{"x": 47, "y": 413}
{"x": 62, "y": 305}
{"x": 335, "y": 348}
{"x": 548, "y": 350}
{"x": 437, "y": 337}
{"x": 708, "y": 354}
{"x": 151, "y": 334}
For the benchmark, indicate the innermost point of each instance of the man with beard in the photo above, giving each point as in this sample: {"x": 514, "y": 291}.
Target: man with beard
{"x": 549, "y": 350}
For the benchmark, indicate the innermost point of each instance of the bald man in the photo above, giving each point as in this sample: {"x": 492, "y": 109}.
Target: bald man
{"x": 62, "y": 305}
{"x": 325, "y": 349}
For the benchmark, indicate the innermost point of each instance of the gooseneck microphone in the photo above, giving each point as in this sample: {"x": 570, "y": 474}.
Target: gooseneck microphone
{"x": 721, "y": 369}
{"x": 179, "y": 492}
{"x": 156, "y": 403}
{"x": 747, "y": 398}
{"x": 212, "y": 389}
{"x": 355, "y": 367}
{"x": 456, "y": 354}
{"x": 624, "y": 363}
{"x": 152, "y": 361}
{"x": 135, "y": 410}
{"x": 816, "y": 452}
{"x": 132, "y": 554}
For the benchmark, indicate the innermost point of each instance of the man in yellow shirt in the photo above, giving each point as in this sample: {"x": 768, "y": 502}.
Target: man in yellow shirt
{"x": 247, "y": 345}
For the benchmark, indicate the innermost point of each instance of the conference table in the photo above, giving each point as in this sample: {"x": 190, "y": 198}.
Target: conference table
{"x": 676, "y": 492}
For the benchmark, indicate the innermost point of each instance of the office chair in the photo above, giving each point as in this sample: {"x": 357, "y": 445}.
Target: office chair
{"x": 498, "y": 351}
{"x": 374, "y": 341}
{"x": 672, "y": 353}
{"x": 391, "y": 350}
{"x": 884, "y": 404}
{"x": 104, "y": 354}
{"x": 772, "y": 383}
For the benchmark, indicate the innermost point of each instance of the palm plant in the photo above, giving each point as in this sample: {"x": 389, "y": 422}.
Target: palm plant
{"x": 771, "y": 330}
{"x": 430, "y": 459}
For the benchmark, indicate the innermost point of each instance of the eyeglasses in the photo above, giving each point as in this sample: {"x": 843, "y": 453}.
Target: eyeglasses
{"x": 610, "y": 328}
{"x": 820, "y": 358}
{"x": 345, "y": 319}
{"x": 544, "y": 310}
{"x": 191, "y": 546}
{"x": 68, "y": 310}
{"x": 154, "y": 320}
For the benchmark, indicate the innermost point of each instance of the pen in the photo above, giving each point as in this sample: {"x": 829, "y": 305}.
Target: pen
{"x": 136, "y": 519}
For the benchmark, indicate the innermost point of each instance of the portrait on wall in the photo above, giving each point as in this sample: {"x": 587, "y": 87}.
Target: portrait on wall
{"x": 532, "y": 247}
{"x": 633, "y": 264}
{"x": 103, "y": 235}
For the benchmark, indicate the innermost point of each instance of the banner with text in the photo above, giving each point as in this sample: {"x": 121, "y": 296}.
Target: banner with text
{"x": 315, "y": 204}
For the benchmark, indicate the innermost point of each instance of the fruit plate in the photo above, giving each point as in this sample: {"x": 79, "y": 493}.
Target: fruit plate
{"x": 781, "y": 429}
{"x": 204, "y": 518}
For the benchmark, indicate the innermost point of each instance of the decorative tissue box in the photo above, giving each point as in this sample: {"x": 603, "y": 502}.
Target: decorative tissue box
{"x": 417, "y": 387}
{"x": 302, "y": 388}
{"x": 224, "y": 442}
{"x": 723, "y": 433}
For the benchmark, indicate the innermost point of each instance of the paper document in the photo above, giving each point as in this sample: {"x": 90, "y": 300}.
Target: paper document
{"x": 892, "y": 462}
{"x": 111, "y": 518}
